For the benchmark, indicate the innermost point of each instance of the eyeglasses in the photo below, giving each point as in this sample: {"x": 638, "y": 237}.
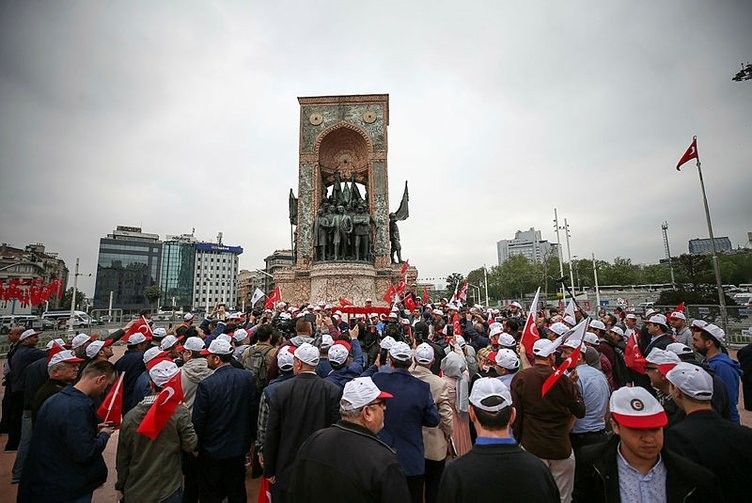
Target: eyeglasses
{"x": 380, "y": 403}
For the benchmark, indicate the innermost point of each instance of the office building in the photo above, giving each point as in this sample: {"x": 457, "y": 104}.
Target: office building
{"x": 129, "y": 261}
{"x": 216, "y": 275}
{"x": 32, "y": 263}
{"x": 274, "y": 262}
{"x": 248, "y": 282}
{"x": 177, "y": 279}
{"x": 527, "y": 243}
{"x": 705, "y": 246}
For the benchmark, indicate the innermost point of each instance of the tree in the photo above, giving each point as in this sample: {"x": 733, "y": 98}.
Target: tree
{"x": 514, "y": 278}
{"x": 152, "y": 294}
{"x": 621, "y": 272}
{"x": 694, "y": 269}
{"x": 65, "y": 303}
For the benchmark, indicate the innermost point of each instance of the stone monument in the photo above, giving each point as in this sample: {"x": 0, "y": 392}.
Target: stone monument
{"x": 345, "y": 240}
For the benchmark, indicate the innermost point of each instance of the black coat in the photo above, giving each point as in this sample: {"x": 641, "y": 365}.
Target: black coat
{"x": 298, "y": 407}
{"x": 347, "y": 462}
{"x": 132, "y": 363}
{"x": 725, "y": 448}
{"x": 599, "y": 478}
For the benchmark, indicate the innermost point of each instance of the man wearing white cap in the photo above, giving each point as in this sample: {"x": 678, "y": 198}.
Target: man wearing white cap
{"x": 633, "y": 465}
{"x": 707, "y": 340}
{"x": 678, "y": 322}
{"x": 496, "y": 467}
{"x": 347, "y": 461}
{"x": 411, "y": 409}
{"x": 657, "y": 364}
{"x": 222, "y": 417}
{"x": 24, "y": 355}
{"x": 132, "y": 364}
{"x": 65, "y": 460}
{"x": 435, "y": 440}
{"x": 704, "y": 437}
{"x": 149, "y": 470}
{"x": 285, "y": 360}
{"x": 542, "y": 424}
{"x": 658, "y": 337}
{"x": 297, "y": 408}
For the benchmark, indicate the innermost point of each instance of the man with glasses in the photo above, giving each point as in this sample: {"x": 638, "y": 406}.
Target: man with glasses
{"x": 347, "y": 461}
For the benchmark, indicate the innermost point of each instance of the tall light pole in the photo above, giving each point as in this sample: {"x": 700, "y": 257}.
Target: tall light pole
{"x": 73, "y": 297}
{"x": 485, "y": 280}
{"x": 664, "y": 228}
{"x": 569, "y": 254}
{"x": 561, "y": 257}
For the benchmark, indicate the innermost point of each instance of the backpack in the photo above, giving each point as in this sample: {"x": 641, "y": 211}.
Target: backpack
{"x": 255, "y": 361}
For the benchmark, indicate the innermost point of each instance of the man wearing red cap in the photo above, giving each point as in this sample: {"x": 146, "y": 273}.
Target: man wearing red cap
{"x": 633, "y": 465}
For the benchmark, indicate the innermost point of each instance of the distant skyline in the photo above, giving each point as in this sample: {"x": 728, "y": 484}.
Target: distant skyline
{"x": 178, "y": 115}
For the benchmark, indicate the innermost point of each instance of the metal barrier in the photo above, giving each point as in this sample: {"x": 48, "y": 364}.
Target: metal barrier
{"x": 738, "y": 329}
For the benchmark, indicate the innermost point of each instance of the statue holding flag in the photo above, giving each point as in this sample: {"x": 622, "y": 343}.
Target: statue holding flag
{"x": 402, "y": 213}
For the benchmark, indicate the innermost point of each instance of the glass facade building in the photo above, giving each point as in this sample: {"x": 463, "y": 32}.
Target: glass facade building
{"x": 216, "y": 275}
{"x": 129, "y": 261}
{"x": 178, "y": 272}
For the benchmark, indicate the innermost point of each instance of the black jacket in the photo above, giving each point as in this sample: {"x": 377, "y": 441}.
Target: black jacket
{"x": 132, "y": 363}
{"x": 346, "y": 462}
{"x": 298, "y": 407}
{"x": 223, "y": 413}
{"x": 725, "y": 448}
{"x": 503, "y": 471}
{"x": 599, "y": 479}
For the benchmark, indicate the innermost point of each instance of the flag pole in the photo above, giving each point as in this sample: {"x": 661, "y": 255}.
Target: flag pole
{"x": 716, "y": 268}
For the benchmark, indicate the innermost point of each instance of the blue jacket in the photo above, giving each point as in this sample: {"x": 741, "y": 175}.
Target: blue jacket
{"x": 22, "y": 358}
{"x": 141, "y": 388}
{"x": 411, "y": 408}
{"x": 132, "y": 363}
{"x": 323, "y": 368}
{"x": 223, "y": 413}
{"x": 65, "y": 457}
{"x": 344, "y": 375}
{"x": 729, "y": 371}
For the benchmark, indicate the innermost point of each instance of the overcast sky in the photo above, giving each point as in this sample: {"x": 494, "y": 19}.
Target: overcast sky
{"x": 181, "y": 115}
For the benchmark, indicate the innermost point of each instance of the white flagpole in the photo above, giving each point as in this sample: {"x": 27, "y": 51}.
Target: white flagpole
{"x": 114, "y": 396}
{"x": 719, "y": 284}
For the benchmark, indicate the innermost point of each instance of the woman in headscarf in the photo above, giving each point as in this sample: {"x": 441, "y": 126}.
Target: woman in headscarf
{"x": 454, "y": 373}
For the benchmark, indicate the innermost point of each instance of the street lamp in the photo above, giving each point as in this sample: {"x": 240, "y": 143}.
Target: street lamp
{"x": 73, "y": 297}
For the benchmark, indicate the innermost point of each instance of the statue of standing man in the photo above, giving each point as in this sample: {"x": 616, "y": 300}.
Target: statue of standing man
{"x": 321, "y": 232}
{"x": 362, "y": 222}
{"x": 343, "y": 226}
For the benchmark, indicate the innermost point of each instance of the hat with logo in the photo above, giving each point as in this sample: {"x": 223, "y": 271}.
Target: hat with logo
{"x": 188, "y": 317}
{"x": 360, "y": 392}
{"x": 77, "y": 341}
{"x": 96, "y": 346}
{"x": 591, "y": 338}
{"x": 285, "y": 358}
{"x": 507, "y": 359}
{"x": 658, "y": 319}
{"x": 400, "y": 351}
{"x": 66, "y": 356}
{"x": 338, "y": 353}
{"x": 691, "y": 380}
{"x": 665, "y": 360}
{"x": 59, "y": 342}
{"x": 496, "y": 330}
{"x": 617, "y": 330}
{"x": 307, "y": 354}
{"x": 507, "y": 341}
{"x": 572, "y": 343}
{"x": 542, "y": 348}
{"x": 168, "y": 342}
{"x": 715, "y": 331}
{"x": 597, "y": 324}
{"x": 193, "y": 344}
{"x": 136, "y": 338}
{"x": 424, "y": 354}
{"x": 680, "y": 349}
{"x": 151, "y": 354}
{"x": 678, "y": 315}
{"x": 326, "y": 341}
{"x": 559, "y": 328}
{"x": 387, "y": 342}
{"x": 162, "y": 372}
{"x": 159, "y": 332}
{"x": 218, "y": 347}
{"x": 460, "y": 341}
{"x": 634, "y": 407}
{"x": 490, "y": 394}
{"x": 701, "y": 324}
{"x": 30, "y": 332}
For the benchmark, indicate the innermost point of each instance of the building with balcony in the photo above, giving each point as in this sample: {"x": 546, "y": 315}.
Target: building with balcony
{"x": 31, "y": 263}
{"x": 216, "y": 275}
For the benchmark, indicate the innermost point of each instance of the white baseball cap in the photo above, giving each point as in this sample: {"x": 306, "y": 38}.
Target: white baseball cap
{"x": 715, "y": 331}
{"x": 597, "y": 324}
{"x": 438, "y": 312}
{"x": 240, "y": 335}
{"x": 285, "y": 357}
{"x": 516, "y": 304}
{"x": 658, "y": 319}
{"x": 691, "y": 380}
{"x": 64, "y": 357}
{"x": 52, "y": 342}
{"x": 569, "y": 320}
{"x": 307, "y": 354}
{"x": 680, "y": 349}
{"x": 678, "y": 315}
{"x": 218, "y": 347}
{"x": 387, "y": 342}
{"x": 326, "y": 341}
{"x": 224, "y": 337}
{"x": 77, "y": 341}
{"x": 559, "y": 328}
{"x": 96, "y": 346}
{"x": 460, "y": 341}
{"x": 542, "y": 347}
{"x": 30, "y": 332}
{"x": 701, "y": 324}
{"x": 159, "y": 332}
{"x": 591, "y": 338}
{"x": 490, "y": 394}
{"x": 617, "y": 330}
{"x": 400, "y": 351}
{"x": 508, "y": 359}
{"x": 424, "y": 353}
{"x": 193, "y": 344}
{"x": 162, "y": 372}
{"x": 152, "y": 353}
{"x": 572, "y": 343}
{"x": 507, "y": 340}
{"x": 188, "y": 316}
{"x": 338, "y": 353}
{"x": 496, "y": 330}
{"x": 631, "y": 316}
{"x": 634, "y": 407}
{"x": 136, "y": 338}
{"x": 168, "y": 342}
{"x": 360, "y": 392}
{"x": 665, "y": 360}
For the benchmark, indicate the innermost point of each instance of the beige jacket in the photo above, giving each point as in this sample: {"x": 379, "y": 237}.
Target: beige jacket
{"x": 435, "y": 439}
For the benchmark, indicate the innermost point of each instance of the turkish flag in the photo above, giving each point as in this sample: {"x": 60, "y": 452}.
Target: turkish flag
{"x": 389, "y": 295}
{"x": 162, "y": 409}
{"x": 265, "y": 492}
{"x": 529, "y": 334}
{"x": 273, "y": 298}
{"x": 344, "y": 302}
{"x": 140, "y": 325}
{"x": 456, "y": 327}
{"x": 462, "y": 295}
{"x": 405, "y": 265}
{"x": 680, "y": 308}
{"x": 633, "y": 357}
{"x": 425, "y": 295}
{"x": 569, "y": 362}
{"x": 112, "y": 406}
{"x": 409, "y": 302}
{"x": 691, "y": 153}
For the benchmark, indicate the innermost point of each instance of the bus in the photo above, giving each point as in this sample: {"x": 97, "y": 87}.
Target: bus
{"x": 80, "y": 318}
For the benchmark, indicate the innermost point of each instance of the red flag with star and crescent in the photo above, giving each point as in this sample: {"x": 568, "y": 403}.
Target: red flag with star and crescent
{"x": 426, "y": 298}
{"x": 111, "y": 409}
{"x": 578, "y": 333}
{"x": 390, "y": 293}
{"x": 162, "y": 409}
{"x": 530, "y": 332}
{"x": 140, "y": 325}
{"x": 633, "y": 356}
{"x": 456, "y": 327}
{"x": 691, "y": 153}
{"x": 273, "y": 298}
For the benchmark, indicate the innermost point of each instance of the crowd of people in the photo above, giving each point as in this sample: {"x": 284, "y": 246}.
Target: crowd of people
{"x": 438, "y": 402}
